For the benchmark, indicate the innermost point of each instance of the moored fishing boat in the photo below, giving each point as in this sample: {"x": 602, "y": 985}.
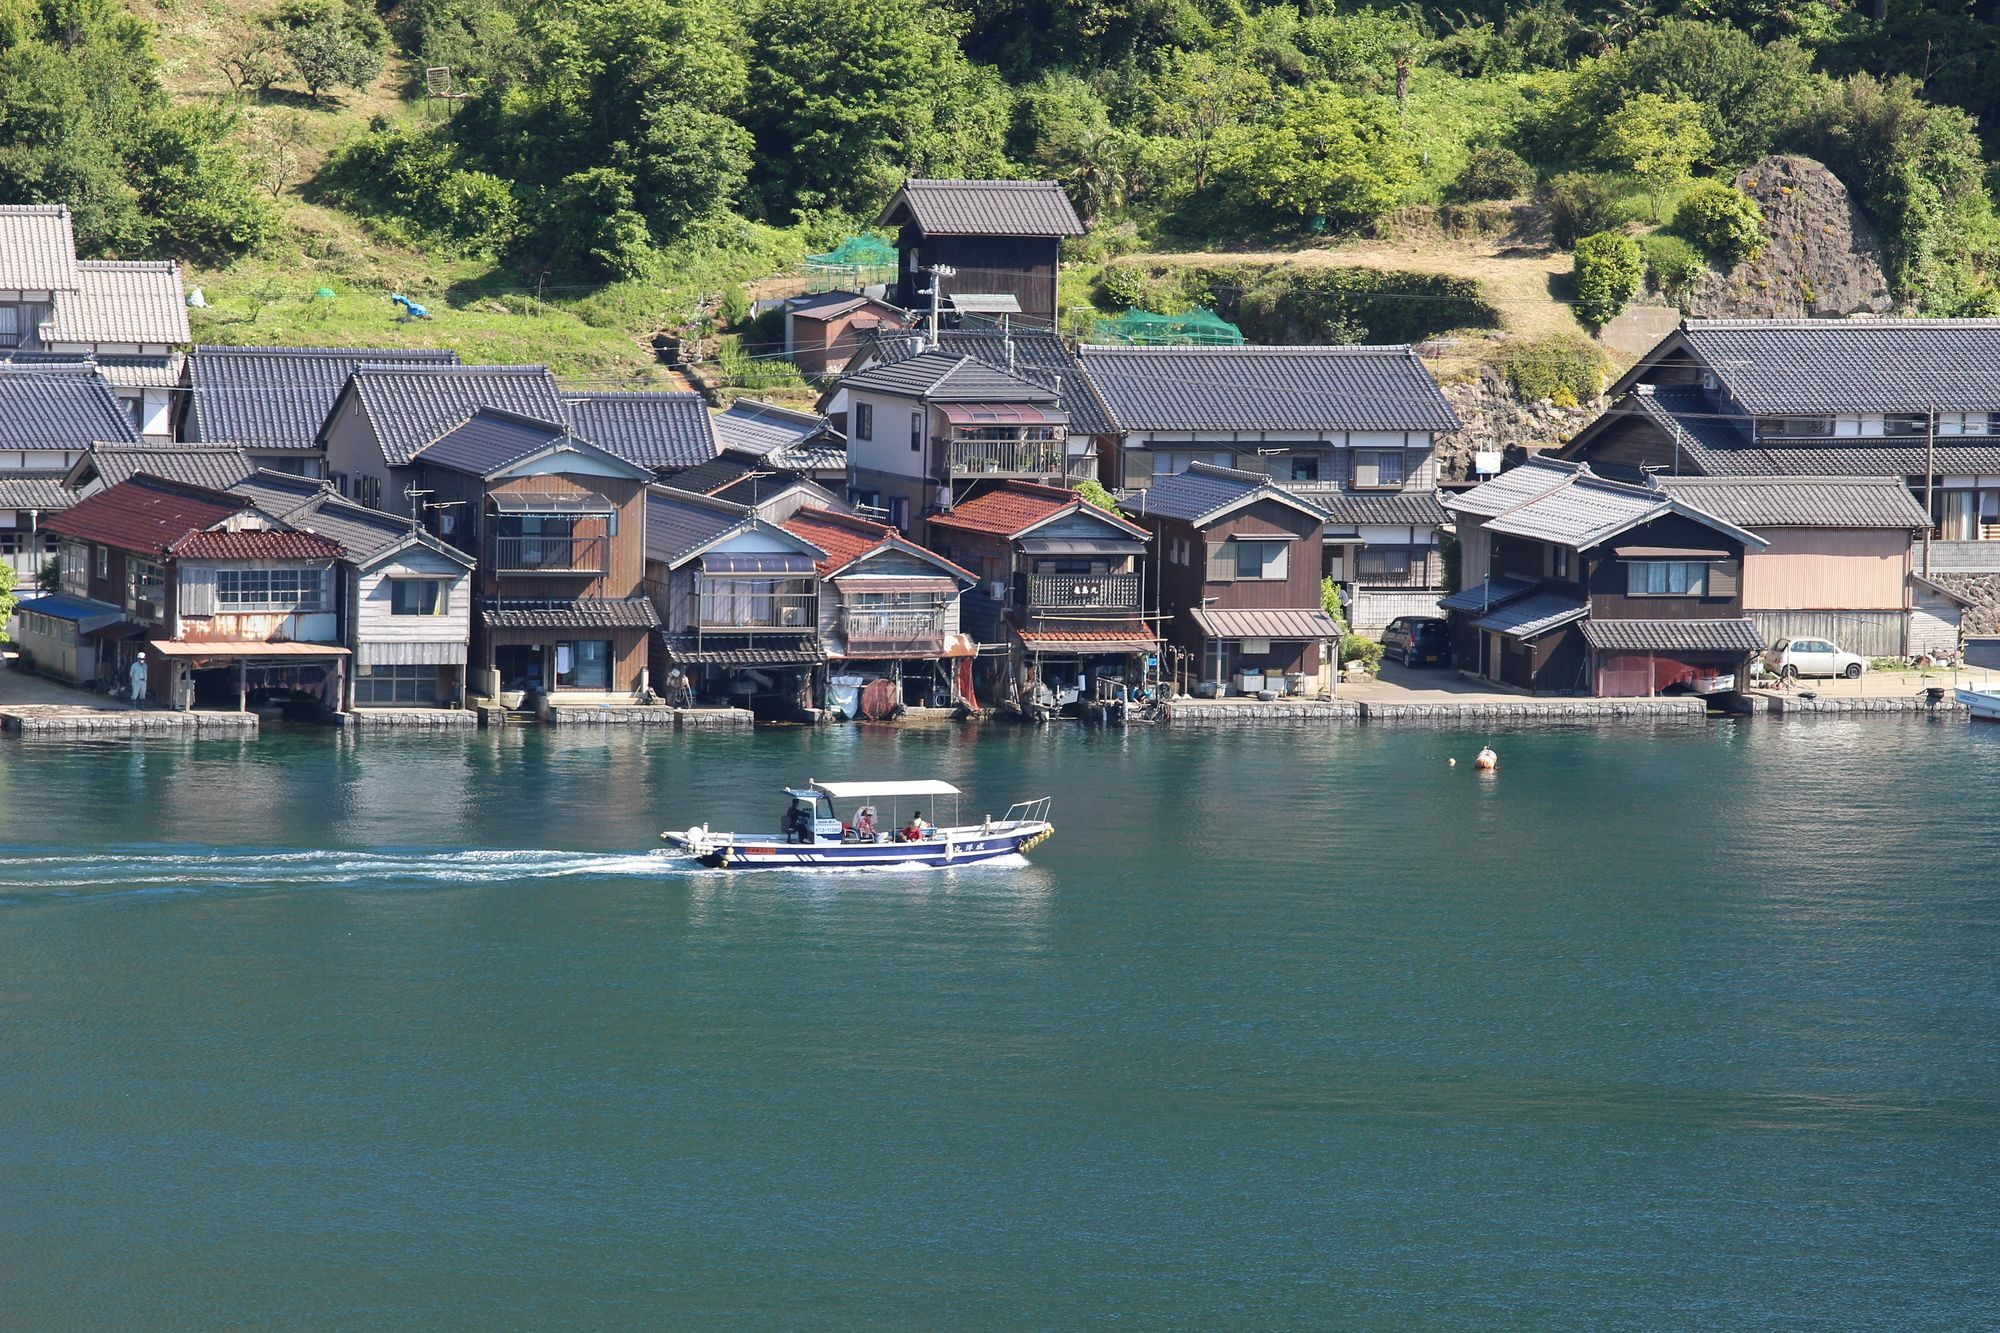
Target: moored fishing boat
{"x": 813, "y": 832}
{"x": 1981, "y": 703}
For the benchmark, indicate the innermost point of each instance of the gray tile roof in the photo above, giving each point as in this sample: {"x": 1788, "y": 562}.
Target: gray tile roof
{"x": 311, "y": 505}
{"x": 278, "y": 397}
{"x": 37, "y": 248}
{"x": 1801, "y": 502}
{"x": 722, "y": 650}
{"x": 679, "y": 523}
{"x": 410, "y": 406}
{"x": 1582, "y": 513}
{"x": 946, "y": 378}
{"x": 1388, "y": 508}
{"x": 983, "y": 208}
{"x": 1267, "y": 388}
{"x": 1672, "y": 636}
{"x": 488, "y": 439}
{"x": 1037, "y": 354}
{"x": 665, "y": 431}
{"x": 1720, "y": 446}
{"x": 35, "y": 490}
{"x": 1534, "y": 615}
{"x": 1810, "y": 366}
{"x": 1203, "y": 490}
{"x": 134, "y": 371}
{"x": 583, "y": 613}
{"x": 724, "y": 470}
{"x": 1516, "y": 486}
{"x": 122, "y": 302}
{"x": 751, "y": 426}
{"x": 216, "y": 466}
{"x": 827, "y": 454}
{"x": 59, "y": 407}
{"x": 1487, "y": 594}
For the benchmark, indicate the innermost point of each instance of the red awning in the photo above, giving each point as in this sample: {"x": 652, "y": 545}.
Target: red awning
{"x": 1002, "y": 414}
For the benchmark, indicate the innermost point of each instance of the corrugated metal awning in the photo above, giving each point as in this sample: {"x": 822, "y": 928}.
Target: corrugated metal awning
{"x": 986, "y": 303}
{"x": 1670, "y": 553}
{"x": 549, "y": 502}
{"x": 244, "y": 648}
{"x": 759, "y": 562}
{"x": 1081, "y": 546}
{"x": 1002, "y": 414}
{"x": 1283, "y": 624}
{"x": 912, "y": 583}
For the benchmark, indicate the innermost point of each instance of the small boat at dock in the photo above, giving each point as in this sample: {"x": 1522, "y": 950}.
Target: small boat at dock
{"x": 814, "y": 834}
{"x": 1983, "y": 703}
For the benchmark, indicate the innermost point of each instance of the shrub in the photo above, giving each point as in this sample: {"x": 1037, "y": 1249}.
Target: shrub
{"x": 1092, "y": 492}
{"x": 1608, "y": 273}
{"x": 1722, "y": 220}
{"x": 1554, "y": 366}
{"x": 331, "y": 44}
{"x": 1494, "y": 173}
{"x": 1579, "y": 204}
{"x": 412, "y": 175}
{"x": 1672, "y": 265}
{"x": 1354, "y": 648}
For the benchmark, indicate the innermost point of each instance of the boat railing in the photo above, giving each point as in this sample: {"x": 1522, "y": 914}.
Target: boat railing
{"x": 1028, "y": 812}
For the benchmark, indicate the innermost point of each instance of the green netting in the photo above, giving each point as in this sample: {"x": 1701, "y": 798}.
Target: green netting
{"x": 857, "y": 262}
{"x": 1190, "y": 328}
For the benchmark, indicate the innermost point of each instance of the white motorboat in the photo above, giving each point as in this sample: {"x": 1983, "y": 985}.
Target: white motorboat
{"x": 814, "y": 833}
{"x": 1981, "y": 703}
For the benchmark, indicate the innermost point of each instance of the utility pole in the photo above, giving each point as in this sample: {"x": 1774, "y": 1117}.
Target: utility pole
{"x": 1930, "y": 483}
{"x": 938, "y": 273}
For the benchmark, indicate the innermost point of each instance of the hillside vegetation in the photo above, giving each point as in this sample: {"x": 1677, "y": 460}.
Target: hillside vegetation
{"x": 610, "y": 169}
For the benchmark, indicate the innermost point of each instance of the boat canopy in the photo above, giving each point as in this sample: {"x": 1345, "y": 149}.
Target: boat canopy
{"x": 864, "y": 790}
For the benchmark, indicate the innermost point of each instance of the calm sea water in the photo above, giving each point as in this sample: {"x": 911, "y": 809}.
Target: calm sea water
{"x": 1657, "y": 1028}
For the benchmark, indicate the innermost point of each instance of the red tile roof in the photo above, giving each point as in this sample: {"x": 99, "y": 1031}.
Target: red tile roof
{"x": 1107, "y": 635}
{"x": 846, "y": 538}
{"x": 145, "y": 514}
{"x": 257, "y": 544}
{"x": 1008, "y": 508}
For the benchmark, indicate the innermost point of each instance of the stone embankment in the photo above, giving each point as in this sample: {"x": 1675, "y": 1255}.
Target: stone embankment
{"x": 409, "y": 719}
{"x": 1539, "y": 710}
{"x": 106, "y": 724}
{"x": 680, "y": 719}
{"x": 1786, "y": 705}
{"x": 1196, "y": 713}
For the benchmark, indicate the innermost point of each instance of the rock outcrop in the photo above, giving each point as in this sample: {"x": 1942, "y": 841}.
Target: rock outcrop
{"x": 1822, "y": 258}
{"x": 1495, "y": 419}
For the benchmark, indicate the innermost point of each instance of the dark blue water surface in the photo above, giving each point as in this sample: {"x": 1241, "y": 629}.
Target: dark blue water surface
{"x": 1693, "y": 1026}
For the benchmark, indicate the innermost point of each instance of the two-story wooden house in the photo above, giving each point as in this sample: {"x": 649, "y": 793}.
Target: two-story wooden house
{"x": 225, "y": 604}
{"x": 558, "y": 527}
{"x": 1350, "y": 428}
{"x": 888, "y": 608}
{"x": 1000, "y": 238}
{"x": 1236, "y": 561}
{"x": 1573, "y": 584}
{"x": 927, "y": 432}
{"x": 1912, "y": 398}
{"x": 1061, "y": 587}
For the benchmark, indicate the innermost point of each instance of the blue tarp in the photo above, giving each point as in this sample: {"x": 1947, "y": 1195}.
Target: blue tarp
{"x": 68, "y": 608}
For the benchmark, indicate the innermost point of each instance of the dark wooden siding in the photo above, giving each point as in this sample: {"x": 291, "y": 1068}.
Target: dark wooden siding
{"x": 1608, "y": 578}
{"x": 1022, "y": 265}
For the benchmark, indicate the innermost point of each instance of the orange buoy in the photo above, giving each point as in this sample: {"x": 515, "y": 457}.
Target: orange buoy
{"x": 1486, "y": 761}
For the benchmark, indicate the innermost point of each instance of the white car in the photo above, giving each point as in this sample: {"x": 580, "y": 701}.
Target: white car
{"x": 1792, "y": 658}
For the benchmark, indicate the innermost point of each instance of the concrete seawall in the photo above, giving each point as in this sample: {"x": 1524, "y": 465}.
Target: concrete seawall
{"x": 109, "y": 725}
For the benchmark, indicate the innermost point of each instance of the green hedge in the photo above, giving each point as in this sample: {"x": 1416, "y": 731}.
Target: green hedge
{"x": 1293, "y": 304}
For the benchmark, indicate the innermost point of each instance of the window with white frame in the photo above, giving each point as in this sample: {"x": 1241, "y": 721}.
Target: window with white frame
{"x": 1262, "y": 560}
{"x": 104, "y": 562}
{"x": 1666, "y": 578}
{"x": 1378, "y": 469}
{"x": 419, "y": 597}
{"x": 389, "y": 686}
{"x": 274, "y": 589}
{"x": 145, "y": 582}
{"x": 74, "y": 559}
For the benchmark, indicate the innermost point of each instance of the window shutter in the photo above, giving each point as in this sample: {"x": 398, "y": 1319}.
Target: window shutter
{"x": 1723, "y": 579}
{"x": 197, "y": 590}
{"x": 1222, "y": 562}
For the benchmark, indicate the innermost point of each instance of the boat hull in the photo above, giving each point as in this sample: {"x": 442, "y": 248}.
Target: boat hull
{"x": 1980, "y": 703}
{"x": 955, "y": 848}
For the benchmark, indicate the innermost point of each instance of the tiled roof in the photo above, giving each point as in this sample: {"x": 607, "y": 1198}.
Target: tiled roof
{"x": 750, "y": 426}
{"x": 487, "y": 439}
{"x": 135, "y": 371}
{"x": 680, "y": 522}
{"x": 1582, "y": 513}
{"x": 1810, "y": 366}
{"x": 1720, "y": 446}
{"x": 255, "y": 544}
{"x": 37, "y": 248}
{"x": 783, "y": 650}
{"x": 832, "y": 305}
{"x": 1487, "y": 594}
{"x": 945, "y": 378}
{"x": 1802, "y": 502}
{"x": 311, "y": 505}
{"x": 718, "y": 473}
{"x": 827, "y": 454}
{"x": 35, "y": 490}
{"x": 1267, "y": 388}
{"x": 281, "y": 494}
{"x": 1131, "y": 636}
{"x": 1517, "y": 485}
{"x": 844, "y": 537}
{"x": 583, "y": 613}
{"x": 1037, "y": 354}
{"x": 1385, "y": 508}
{"x": 1534, "y": 615}
{"x": 216, "y": 466}
{"x": 278, "y": 397}
{"x": 59, "y": 407}
{"x": 1203, "y": 491}
{"x": 1674, "y": 636}
{"x": 410, "y": 406}
{"x": 1014, "y": 506}
{"x": 145, "y": 514}
{"x": 983, "y": 208}
{"x": 658, "y": 430}
{"x": 122, "y": 302}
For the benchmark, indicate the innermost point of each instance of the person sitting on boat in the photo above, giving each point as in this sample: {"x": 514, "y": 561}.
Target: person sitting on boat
{"x": 864, "y": 824}
{"x": 918, "y": 830}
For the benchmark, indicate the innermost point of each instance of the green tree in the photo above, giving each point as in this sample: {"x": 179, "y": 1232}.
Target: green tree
{"x": 331, "y": 45}
{"x": 1722, "y": 220}
{"x": 1608, "y": 274}
{"x": 1331, "y": 156}
{"x": 1658, "y": 140}
{"x": 1198, "y": 105}
{"x": 6, "y": 599}
{"x": 196, "y": 186}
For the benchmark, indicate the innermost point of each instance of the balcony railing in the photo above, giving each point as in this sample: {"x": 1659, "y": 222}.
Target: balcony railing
{"x": 551, "y": 555}
{"x": 1418, "y": 575}
{"x": 910, "y": 630}
{"x": 740, "y": 606}
{"x": 1083, "y": 592}
{"x": 1005, "y": 458}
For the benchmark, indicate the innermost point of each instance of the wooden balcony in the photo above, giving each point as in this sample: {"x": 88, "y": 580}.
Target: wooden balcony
{"x": 588, "y": 556}
{"x": 1083, "y": 592}
{"x": 892, "y": 633}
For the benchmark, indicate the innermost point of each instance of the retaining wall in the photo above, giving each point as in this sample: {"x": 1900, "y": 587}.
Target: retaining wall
{"x": 104, "y": 725}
